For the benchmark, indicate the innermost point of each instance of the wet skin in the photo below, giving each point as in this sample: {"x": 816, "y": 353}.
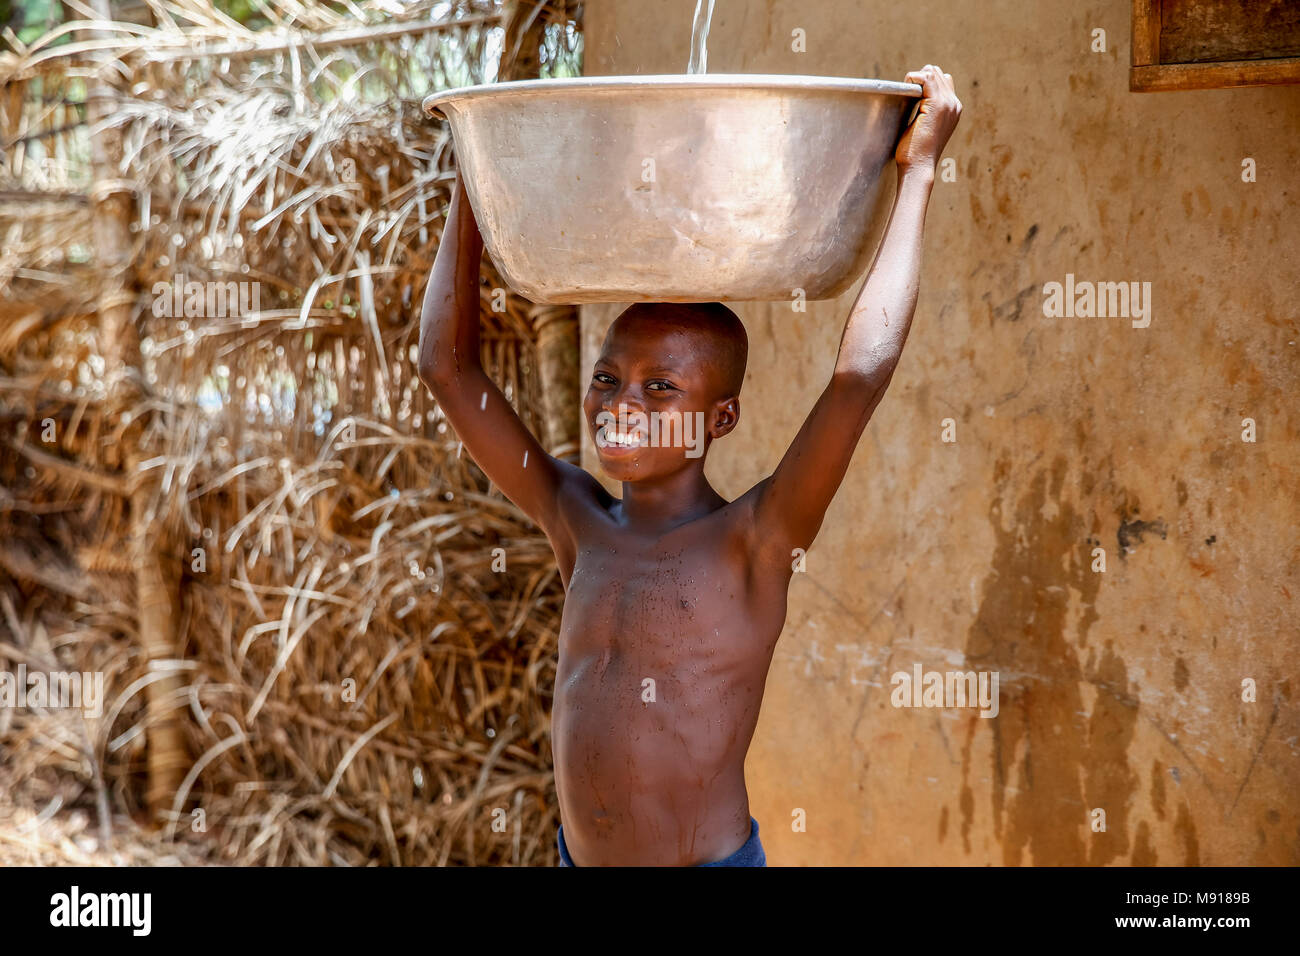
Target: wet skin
{"x": 659, "y": 779}
{"x": 661, "y": 588}
{"x": 670, "y": 582}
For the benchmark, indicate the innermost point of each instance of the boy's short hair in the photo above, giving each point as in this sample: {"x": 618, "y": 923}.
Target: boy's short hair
{"x": 712, "y": 323}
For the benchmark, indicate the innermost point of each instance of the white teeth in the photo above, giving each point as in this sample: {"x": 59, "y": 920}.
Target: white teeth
{"x": 622, "y": 439}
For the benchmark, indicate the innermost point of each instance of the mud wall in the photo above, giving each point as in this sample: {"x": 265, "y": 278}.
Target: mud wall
{"x": 1120, "y": 690}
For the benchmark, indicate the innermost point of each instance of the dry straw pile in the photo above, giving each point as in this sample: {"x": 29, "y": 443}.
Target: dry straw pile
{"x": 351, "y": 677}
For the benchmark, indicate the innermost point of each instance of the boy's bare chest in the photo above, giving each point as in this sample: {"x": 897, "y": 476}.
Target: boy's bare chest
{"x": 668, "y": 581}
{"x": 650, "y": 597}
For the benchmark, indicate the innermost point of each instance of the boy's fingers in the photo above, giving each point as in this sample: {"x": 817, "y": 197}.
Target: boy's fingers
{"x": 935, "y": 84}
{"x": 927, "y": 78}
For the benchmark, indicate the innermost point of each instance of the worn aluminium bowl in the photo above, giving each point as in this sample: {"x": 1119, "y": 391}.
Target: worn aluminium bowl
{"x": 676, "y": 188}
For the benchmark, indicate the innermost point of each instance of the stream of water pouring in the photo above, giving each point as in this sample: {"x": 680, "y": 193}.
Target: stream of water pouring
{"x": 700, "y": 37}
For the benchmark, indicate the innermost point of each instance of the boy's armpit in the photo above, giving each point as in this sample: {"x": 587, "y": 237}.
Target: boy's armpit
{"x": 580, "y": 500}
{"x": 767, "y": 546}
{"x": 580, "y": 495}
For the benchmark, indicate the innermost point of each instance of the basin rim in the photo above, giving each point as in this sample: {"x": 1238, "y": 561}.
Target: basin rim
{"x": 433, "y": 103}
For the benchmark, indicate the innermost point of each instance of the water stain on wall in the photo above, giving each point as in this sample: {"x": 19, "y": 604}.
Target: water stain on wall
{"x": 1053, "y": 761}
{"x": 1144, "y": 853}
{"x": 1186, "y": 831}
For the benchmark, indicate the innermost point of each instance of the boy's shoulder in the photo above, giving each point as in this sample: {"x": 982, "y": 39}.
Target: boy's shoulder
{"x": 576, "y": 484}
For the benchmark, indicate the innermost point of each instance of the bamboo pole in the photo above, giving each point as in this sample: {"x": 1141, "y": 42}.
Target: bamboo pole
{"x": 556, "y": 327}
{"x": 155, "y": 616}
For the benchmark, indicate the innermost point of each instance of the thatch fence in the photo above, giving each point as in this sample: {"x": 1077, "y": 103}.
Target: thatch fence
{"x": 324, "y": 637}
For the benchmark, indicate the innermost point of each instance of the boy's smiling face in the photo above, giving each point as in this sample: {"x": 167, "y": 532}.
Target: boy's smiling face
{"x": 665, "y": 384}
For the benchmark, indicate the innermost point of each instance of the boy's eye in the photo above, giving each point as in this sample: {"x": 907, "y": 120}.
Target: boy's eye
{"x": 604, "y": 378}
{"x": 659, "y": 386}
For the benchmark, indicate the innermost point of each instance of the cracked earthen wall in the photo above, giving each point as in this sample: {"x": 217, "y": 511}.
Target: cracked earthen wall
{"x": 1120, "y": 691}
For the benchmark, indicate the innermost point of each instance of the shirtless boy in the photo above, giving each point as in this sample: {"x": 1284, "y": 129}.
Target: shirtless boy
{"x": 674, "y": 596}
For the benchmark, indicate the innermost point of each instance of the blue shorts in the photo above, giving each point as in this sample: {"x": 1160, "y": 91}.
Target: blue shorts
{"x": 751, "y": 854}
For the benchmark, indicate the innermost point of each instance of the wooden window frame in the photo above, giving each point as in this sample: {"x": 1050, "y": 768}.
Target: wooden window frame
{"x": 1148, "y": 75}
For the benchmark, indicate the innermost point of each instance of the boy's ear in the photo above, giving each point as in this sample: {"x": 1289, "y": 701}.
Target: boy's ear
{"x": 726, "y": 414}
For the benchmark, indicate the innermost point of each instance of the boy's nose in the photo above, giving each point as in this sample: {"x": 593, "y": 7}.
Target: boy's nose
{"x": 628, "y": 397}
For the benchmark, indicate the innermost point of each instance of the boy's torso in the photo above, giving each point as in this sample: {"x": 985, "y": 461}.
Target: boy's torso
{"x": 664, "y": 649}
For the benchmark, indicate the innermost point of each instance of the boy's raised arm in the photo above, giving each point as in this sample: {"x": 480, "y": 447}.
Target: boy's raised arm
{"x": 450, "y": 365}
{"x": 791, "y": 503}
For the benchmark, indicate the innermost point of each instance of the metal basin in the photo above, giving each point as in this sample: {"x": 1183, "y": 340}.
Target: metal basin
{"x": 676, "y": 188}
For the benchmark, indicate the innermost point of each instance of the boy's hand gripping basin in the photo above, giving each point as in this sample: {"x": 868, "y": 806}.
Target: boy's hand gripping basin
{"x": 690, "y": 188}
